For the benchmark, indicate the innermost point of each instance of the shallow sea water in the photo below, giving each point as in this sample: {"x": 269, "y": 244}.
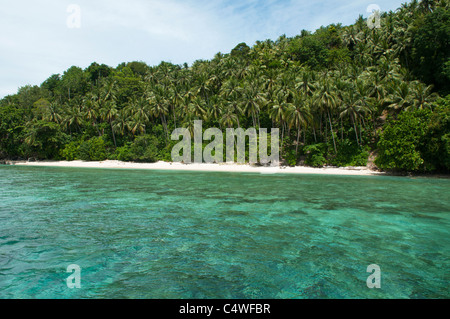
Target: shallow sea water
{"x": 165, "y": 234}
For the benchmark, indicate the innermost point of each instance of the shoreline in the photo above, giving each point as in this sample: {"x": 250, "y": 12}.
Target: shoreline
{"x": 224, "y": 167}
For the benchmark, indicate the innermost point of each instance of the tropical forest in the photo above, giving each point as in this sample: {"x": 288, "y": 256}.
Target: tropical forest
{"x": 364, "y": 94}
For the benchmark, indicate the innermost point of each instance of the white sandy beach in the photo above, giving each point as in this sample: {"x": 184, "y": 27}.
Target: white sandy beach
{"x": 225, "y": 167}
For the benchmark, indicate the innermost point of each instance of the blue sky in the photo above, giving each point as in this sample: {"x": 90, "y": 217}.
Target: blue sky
{"x": 36, "y": 41}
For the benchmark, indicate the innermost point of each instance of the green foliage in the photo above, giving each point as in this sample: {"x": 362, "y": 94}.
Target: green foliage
{"x": 70, "y": 151}
{"x": 288, "y": 153}
{"x": 51, "y": 84}
{"x": 74, "y": 82}
{"x": 445, "y": 150}
{"x": 43, "y": 139}
{"x": 401, "y": 141}
{"x": 338, "y": 56}
{"x": 436, "y": 146}
{"x": 329, "y": 36}
{"x": 139, "y": 68}
{"x": 417, "y": 141}
{"x": 128, "y": 83}
{"x": 431, "y": 48}
{"x": 93, "y": 149}
{"x": 241, "y": 50}
{"x": 309, "y": 50}
{"x": 27, "y": 95}
{"x": 315, "y": 155}
{"x": 96, "y": 72}
{"x": 165, "y": 153}
{"x": 349, "y": 154}
{"x": 290, "y": 157}
{"x": 144, "y": 149}
{"x": 11, "y": 127}
{"x": 123, "y": 153}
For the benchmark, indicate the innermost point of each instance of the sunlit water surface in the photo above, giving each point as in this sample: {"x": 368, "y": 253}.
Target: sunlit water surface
{"x": 161, "y": 234}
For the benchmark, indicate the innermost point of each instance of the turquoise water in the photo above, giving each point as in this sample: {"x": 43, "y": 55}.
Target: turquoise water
{"x": 160, "y": 234}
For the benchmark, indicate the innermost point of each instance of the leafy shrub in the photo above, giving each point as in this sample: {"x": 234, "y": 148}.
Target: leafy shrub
{"x": 315, "y": 155}
{"x": 290, "y": 157}
{"x": 144, "y": 149}
{"x": 43, "y": 139}
{"x": 400, "y": 143}
{"x": 165, "y": 154}
{"x": 435, "y": 148}
{"x": 349, "y": 154}
{"x": 123, "y": 153}
{"x": 361, "y": 158}
{"x": 93, "y": 150}
{"x": 418, "y": 140}
{"x": 70, "y": 151}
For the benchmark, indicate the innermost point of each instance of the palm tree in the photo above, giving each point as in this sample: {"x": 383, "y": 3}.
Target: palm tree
{"x": 91, "y": 106}
{"x": 198, "y": 107}
{"x": 299, "y": 115}
{"x": 423, "y": 96}
{"x": 351, "y": 36}
{"x": 109, "y": 113}
{"x": 282, "y": 102}
{"x": 106, "y": 103}
{"x": 403, "y": 38}
{"x": 229, "y": 119}
{"x": 202, "y": 89}
{"x": 139, "y": 110}
{"x": 252, "y": 100}
{"x": 327, "y": 101}
{"x": 400, "y": 97}
{"x": 365, "y": 103}
{"x": 215, "y": 109}
{"x": 270, "y": 77}
{"x": 158, "y": 105}
{"x": 427, "y": 5}
{"x": 52, "y": 113}
{"x": 176, "y": 102}
{"x": 353, "y": 108}
{"x": 74, "y": 116}
{"x": 122, "y": 121}
{"x": 305, "y": 83}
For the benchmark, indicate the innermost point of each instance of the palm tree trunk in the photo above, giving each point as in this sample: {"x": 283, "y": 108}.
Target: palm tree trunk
{"x": 163, "y": 122}
{"x": 356, "y": 131}
{"x": 331, "y": 129}
{"x": 360, "y": 131}
{"x": 320, "y": 126}
{"x": 174, "y": 117}
{"x": 95, "y": 125}
{"x": 112, "y": 131}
